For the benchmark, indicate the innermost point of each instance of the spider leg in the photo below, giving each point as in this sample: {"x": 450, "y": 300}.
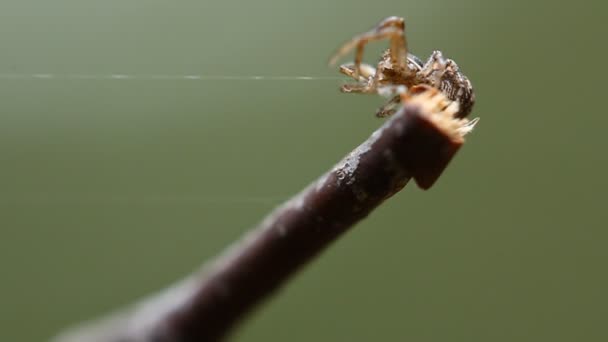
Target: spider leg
{"x": 365, "y": 71}
{"x": 392, "y": 28}
{"x": 398, "y": 42}
{"x": 362, "y": 88}
{"x": 395, "y": 93}
{"x": 390, "y": 107}
{"x": 365, "y": 79}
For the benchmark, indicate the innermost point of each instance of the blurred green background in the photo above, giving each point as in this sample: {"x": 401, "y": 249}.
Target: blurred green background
{"x": 112, "y": 189}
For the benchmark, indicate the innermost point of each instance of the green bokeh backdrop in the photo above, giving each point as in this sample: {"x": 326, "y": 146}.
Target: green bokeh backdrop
{"x": 112, "y": 189}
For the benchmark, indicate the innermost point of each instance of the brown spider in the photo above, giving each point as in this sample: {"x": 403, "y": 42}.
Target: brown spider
{"x": 397, "y": 71}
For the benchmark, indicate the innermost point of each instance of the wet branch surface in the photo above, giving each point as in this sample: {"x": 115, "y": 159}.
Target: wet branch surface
{"x": 207, "y": 305}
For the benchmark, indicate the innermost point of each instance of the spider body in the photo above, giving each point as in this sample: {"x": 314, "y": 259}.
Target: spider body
{"x": 399, "y": 71}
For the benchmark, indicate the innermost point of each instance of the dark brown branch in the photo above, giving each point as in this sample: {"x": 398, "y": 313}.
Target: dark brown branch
{"x": 206, "y": 306}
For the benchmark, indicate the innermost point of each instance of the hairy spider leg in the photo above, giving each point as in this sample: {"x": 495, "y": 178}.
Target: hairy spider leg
{"x": 390, "y": 107}
{"x": 365, "y": 71}
{"x": 392, "y": 28}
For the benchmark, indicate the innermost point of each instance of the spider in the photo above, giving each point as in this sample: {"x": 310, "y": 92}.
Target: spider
{"x": 399, "y": 71}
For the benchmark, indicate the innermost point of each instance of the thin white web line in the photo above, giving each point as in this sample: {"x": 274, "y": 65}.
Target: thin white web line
{"x": 142, "y": 199}
{"x": 193, "y": 77}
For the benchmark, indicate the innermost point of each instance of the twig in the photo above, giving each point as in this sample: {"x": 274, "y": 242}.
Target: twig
{"x": 417, "y": 142}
